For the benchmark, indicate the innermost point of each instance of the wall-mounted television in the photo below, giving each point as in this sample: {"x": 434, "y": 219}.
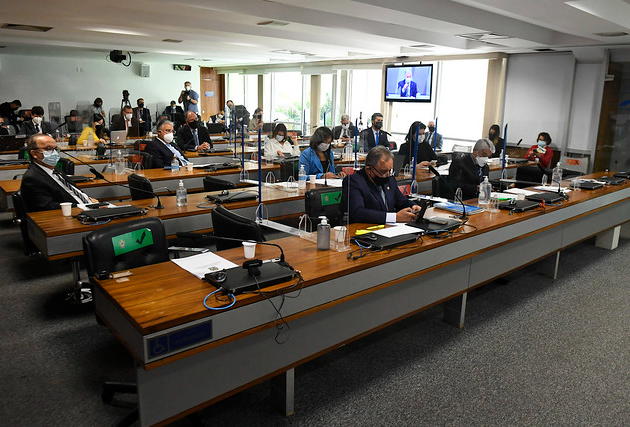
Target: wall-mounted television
{"x": 408, "y": 83}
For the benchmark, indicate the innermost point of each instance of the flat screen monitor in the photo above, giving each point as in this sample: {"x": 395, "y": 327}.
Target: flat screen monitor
{"x": 408, "y": 83}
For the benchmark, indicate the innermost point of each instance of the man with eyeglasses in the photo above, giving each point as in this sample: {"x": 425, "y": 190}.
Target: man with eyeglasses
{"x": 163, "y": 147}
{"x": 372, "y": 193}
{"x": 44, "y": 187}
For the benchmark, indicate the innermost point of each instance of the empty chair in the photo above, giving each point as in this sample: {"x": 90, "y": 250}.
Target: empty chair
{"x": 140, "y": 187}
{"x": 211, "y": 183}
{"x": 229, "y": 224}
{"x": 324, "y": 201}
{"x": 140, "y": 157}
{"x": 440, "y": 189}
{"x": 66, "y": 166}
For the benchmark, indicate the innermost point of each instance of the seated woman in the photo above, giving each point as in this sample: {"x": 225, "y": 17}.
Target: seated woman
{"x": 494, "y": 135}
{"x": 281, "y": 145}
{"x": 95, "y": 128}
{"x": 318, "y": 158}
{"x": 256, "y": 122}
{"x": 541, "y": 150}
{"x": 425, "y": 153}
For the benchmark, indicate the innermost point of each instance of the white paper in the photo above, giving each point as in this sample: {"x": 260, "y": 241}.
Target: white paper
{"x": 335, "y": 182}
{"x": 520, "y": 191}
{"x": 397, "y": 230}
{"x": 551, "y": 188}
{"x": 199, "y": 265}
{"x": 83, "y": 206}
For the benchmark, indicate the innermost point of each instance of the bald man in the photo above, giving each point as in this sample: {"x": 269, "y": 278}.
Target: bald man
{"x": 192, "y": 136}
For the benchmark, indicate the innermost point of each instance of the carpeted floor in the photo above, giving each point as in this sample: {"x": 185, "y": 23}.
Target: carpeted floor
{"x": 534, "y": 351}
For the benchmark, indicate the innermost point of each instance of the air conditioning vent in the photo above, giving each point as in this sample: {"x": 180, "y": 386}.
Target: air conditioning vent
{"x": 172, "y": 41}
{"x": 612, "y": 34}
{"x": 273, "y": 23}
{"x": 23, "y": 27}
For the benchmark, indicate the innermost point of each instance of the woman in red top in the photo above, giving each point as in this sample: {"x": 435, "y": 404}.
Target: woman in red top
{"x": 541, "y": 151}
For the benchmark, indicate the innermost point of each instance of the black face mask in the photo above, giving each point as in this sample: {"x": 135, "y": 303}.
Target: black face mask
{"x": 258, "y": 116}
{"x": 431, "y": 128}
{"x": 379, "y": 180}
{"x": 194, "y": 125}
{"x": 99, "y": 130}
{"x": 378, "y": 125}
{"x": 141, "y": 105}
{"x": 492, "y": 135}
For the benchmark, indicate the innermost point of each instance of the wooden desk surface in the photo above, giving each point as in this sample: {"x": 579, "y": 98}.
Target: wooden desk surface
{"x": 161, "y": 296}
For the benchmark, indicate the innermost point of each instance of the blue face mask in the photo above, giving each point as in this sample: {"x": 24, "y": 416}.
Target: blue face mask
{"x": 51, "y": 158}
{"x": 542, "y": 144}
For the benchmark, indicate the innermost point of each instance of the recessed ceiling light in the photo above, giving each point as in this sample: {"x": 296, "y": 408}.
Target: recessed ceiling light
{"x": 116, "y": 31}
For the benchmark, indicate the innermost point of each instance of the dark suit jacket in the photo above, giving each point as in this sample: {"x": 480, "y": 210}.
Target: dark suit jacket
{"x": 366, "y": 203}
{"x": 28, "y": 128}
{"x": 337, "y": 132}
{"x": 162, "y": 156}
{"x": 438, "y": 140}
{"x": 146, "y": 116}
{"x": 412, "y": 91}
{"x": 118, "y": 123}
{"x": 465, "y": 174}
{"x": 425, "y": 152}
{"x": 41, "y": 192}
{"x": 185, "y": 138}
{"x": 367, "y": 135}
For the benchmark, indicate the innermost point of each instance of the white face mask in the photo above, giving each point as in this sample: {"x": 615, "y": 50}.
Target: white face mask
{"x": 421, "y": 138}
{"x": 482, "y": 161}
{"x": 128, "y": 116}
{"x": 37, "y": 120}
{"x": 279, "y": 138}
{"x": 407, "y": 79}
{"x": 345, "y": 125}
{"x": 322, "y": 146}
{"x": 168, "y": 137}
{"x": 187, "y": 87}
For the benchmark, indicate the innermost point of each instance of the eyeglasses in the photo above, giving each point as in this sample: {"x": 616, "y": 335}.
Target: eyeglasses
{"x": 47, "y": 149}
{"x": 383, "y": 174}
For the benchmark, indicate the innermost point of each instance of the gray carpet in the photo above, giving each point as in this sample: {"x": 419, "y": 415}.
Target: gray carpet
{"x": 533, "y": 352}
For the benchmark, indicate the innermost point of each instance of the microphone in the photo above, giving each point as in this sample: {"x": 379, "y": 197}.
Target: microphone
{"x": 519, "y": 141}
{"x": 96, "y": 173}
{"x": 191, "y": 235}
{"x": 463, "y": 216}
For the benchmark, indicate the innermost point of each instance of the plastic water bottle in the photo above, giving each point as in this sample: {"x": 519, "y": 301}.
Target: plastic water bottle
{"x": 119, "y": 166}
{"x": 57, "y": 136}
{"x": 323, "y": 234}
{"x": 485, "y": 188}
{"x": 181, "y": 194}
{"x": 302, "y": 177}
{"x": 175, "y": 165}
{"x": 556, "y": 175}
{"x": 89, "y": 141}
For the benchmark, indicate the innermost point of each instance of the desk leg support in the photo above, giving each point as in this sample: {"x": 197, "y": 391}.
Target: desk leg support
{"x": 455, "y": 310}
{"x": 555, "y": 269}
{"x": 609, "y": 239}
{"x": 625, "y": 230}
{"x": 282, "y": 389}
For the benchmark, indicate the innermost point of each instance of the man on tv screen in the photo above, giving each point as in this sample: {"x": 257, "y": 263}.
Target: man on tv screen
{"x": 407, "y": 88}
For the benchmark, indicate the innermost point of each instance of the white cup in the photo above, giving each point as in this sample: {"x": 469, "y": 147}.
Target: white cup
{"x": 189, "y": 166}
{"x": 339, "y": 233}
{"x": 66, "y": 208}
{"x": 312, "y": 178}
{"x": 150, "y": 134}
{"x": 249, "y": 249}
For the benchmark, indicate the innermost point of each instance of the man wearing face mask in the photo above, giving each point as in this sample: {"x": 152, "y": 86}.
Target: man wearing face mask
{"x": 433, "y": 138}
{"x": 43, "y": 187}
{"x": 374, "y": 136}
{"x": 467, "y": 172}
{"x": 346, "y": 131}
{"x": 372, "y": 193}
{"x": 407, "y": 88}
{"x": 189, "y": 98}
{"x": 192, "y": 136}
{"x": 36, "y": 124}
{"x": 164, "y": 149}
{"x": 143, "y": 115}
{"x": 126, "y": 121}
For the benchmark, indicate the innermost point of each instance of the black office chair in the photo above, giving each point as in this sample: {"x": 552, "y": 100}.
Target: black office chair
{"x": 229, "y": 224}
{"x": 140, "y": 187}
{"x": 439, "y": 188}
{"x": 324, "y": 201}
{"x": 104, "y": 256}
{"x": 140, "y": 144}
{"x": 20, "y": 218}
{"x": 211, "y": 183}
{"x": 140, "y": 157}
{"x": 66, "y": 166}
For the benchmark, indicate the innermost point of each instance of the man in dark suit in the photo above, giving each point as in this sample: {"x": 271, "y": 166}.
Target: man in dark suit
{"x": 172, "y": 109}
{"x": 44, "y": 187}
{"x": 346, "y": 131}
{"x": 126, "y": 121}
{"x": 163, "y": 148}
{"x": 373, "y": 194}
{"x": 374, "y": 136}
{"x": 192, "y": 136}
{"x": 467, "y": 172}
{"x": 433, "y": 138}
{"x": 407, "y": 88}
{"x": 143, "y": 115}
{"x": 36, "y": 124}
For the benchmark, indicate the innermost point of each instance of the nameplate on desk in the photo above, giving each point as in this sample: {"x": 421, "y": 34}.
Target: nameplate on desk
{"x": 177, "y": 340}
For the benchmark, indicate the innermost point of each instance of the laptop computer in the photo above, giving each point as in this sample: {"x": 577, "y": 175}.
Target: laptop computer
{"x": 590, "y": 185}
{"x": 103, "y": 214}
{"x": 12, "y": 142}
{"x": 376, "y": 242}
{"x": 517, "y": 160}
{"x": 611, "y": 180}
{"x": 547, "y": 197}
{"x": 215, "y": 127}
{"x": 518, "y": 205}
{"x": 118, "y": 137}
{"x": 237, "y": 280}
{"x": 221, "y": 166}
{"x": 234, "y": 196}
{"x": 434, "y": 224}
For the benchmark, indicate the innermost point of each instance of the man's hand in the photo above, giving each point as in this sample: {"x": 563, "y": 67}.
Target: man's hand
{"x": 405, "y": 215}
{"x": 203, "y": 146}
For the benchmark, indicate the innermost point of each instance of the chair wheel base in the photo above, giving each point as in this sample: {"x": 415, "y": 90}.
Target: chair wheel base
{"x": 79, "y": 296}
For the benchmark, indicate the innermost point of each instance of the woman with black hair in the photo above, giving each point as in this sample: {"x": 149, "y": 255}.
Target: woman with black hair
{"x": 318, "y": 158}
{"x": 280, "y": 144}
{"x": 494, "y": 135}
{"x": 95, "y": 128}
{"x": 424, "y": 153}
{"x": 541, "y": 151}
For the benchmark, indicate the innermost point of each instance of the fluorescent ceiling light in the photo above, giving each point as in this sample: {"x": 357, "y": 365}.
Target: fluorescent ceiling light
{"x": 174, "y": 52}
{"x": 117, "y": 31}
{"x": 616, "y": 11}
{"x": 242, "y": 44}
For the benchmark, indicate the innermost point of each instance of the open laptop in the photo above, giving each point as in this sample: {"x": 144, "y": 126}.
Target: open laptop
{"x": 12, "y": 142}
{"x": 434, "y": 224}
{"x": 118, "y": 137}
{"x": 376, "y": 242}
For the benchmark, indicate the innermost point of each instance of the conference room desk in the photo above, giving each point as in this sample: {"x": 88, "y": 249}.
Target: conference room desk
{"x": 160, "y": 178}
{"x": 59, "y": 237}
{"x": 188, "y": 356}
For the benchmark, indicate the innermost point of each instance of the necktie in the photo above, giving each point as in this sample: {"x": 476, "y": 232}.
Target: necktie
{"x": 195, "y": 137}
{"x": 177, "y": 154}
{"x": 376, "y": 137}
{"x": 37, "y": 129}
{"x": 384, "y": 198}
{"x": 78, "y": 194}
{"x": 128, "y": 124}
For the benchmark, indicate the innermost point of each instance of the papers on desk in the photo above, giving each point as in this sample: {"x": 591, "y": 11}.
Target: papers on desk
{"x": 335, "y": 182}
{"x": 519, "y": 191}
{"x": 457, "y": 208}
{"x": 85, "y": 206}
{"x": 503, "y": 196}
{"x": 199, "y": 265}
{"x": 396, "y": 230}
{"x": 551, "y": 188}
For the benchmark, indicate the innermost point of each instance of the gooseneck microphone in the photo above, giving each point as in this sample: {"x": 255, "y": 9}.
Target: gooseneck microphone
{"x": 191, "y": 235}
{"x": 463, "y": 216}
{"x": 96, "y": 173}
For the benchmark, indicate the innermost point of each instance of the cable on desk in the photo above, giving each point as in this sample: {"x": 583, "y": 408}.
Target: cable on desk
{"x": 279, "y": 326}
{"x": 94, "y": 223}
{"x": 205, "y": 304}
{"x": 206, "y": 205}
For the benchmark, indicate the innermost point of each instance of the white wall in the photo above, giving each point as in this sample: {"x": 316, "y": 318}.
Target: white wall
{"x": 36, "y": 80}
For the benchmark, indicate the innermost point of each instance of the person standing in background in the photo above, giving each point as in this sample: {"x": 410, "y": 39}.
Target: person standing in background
{"x": 189, "y": 98}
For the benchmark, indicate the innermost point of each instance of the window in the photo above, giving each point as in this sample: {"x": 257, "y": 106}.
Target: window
{"x": 365, "y": 94}
{"x": 286, "y": 99}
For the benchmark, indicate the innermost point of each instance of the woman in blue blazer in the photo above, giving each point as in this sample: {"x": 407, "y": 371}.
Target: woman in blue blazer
{"x": 318, "y": 158}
